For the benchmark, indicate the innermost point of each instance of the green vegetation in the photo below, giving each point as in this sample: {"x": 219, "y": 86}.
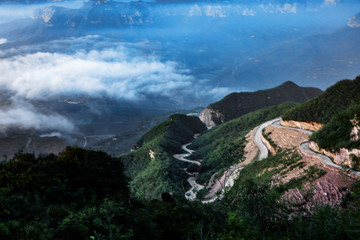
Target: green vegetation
{"x": 39, "y": 197}
{"x": 336, "y": 134}
{"x": 151, "y": 177}
{"x": 84, "y": 195}
{"x": 224, "y": 145}
{"x": 262, "y": 172}
{"x": 333, "y": 101}
{"x": 235, "y": 105}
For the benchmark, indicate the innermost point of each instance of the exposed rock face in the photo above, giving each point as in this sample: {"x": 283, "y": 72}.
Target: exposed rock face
{"x": 344, "y": 157}
{"x": 237, "y": 104}
{"x": 152, "y": 154}
{"x": 268, "y": 145}
{"x": 211, "y": 118}
{"x": 315, "y": 147}
{"x": 355, "y": 132}
{"x": 311, "y": 126}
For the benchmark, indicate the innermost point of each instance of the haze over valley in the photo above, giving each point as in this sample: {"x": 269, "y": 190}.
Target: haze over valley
{"x": 93, "y": 72}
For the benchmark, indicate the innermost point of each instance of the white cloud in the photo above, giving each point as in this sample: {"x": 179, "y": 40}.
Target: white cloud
{"x": 354, "y": 22}
{"x": 3, "y": 40}
{"x": 215, "y": 11}
{"x": 285, "y": 9}
{"x": 111, "y": 71}
{"x": 288, "y": 8}
{"x": 330, "y": 2}
{"x": 195, "y": 11}
{"x": 248, "y": 12}
{"x": 22, "y": 114}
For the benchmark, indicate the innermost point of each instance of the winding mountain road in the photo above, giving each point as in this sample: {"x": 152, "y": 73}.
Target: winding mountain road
{"x": 304, "y": 145}
{"x": 263, "y": 151}
{"x": 182, "y": 157}
{"x": 233, "y": 172}
{"x": 195, "y": 187}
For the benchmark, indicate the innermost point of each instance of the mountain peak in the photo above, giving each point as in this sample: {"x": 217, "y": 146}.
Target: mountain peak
{"x": 235, "y": 105}
{"x": 288, "y": 84}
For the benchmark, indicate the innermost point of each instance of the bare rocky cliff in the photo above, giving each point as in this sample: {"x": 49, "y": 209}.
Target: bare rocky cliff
{"x": 211, "y": 118}
{"x": 344, "y": 157}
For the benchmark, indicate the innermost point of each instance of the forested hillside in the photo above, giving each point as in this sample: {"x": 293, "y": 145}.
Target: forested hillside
{"x": 334, "y": 100}
{"x": 84, "y": 195}
{"x": 336, "y": 134}
{"x": 235, "y": 105}
{"x": 151, "y": 166}
{"x": 224, "y": 145}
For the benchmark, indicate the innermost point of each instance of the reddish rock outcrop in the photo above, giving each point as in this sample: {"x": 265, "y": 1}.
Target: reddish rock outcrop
{"x": 344, "y": 157}
{"x": 315, "y": 147}
{"x": 311, "y": 126}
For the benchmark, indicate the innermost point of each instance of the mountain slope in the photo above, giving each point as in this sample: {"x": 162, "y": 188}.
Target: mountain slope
{"x": 342, "y": 131}
{"x": 151, "y": 166}
{"x": 331, "y": 102}
{"x": 224, "y": 145}
{"x": 338, "y": 110}
{"x": 238, "y": 104}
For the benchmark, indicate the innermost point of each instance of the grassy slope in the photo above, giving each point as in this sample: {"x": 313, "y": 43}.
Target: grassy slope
{"x": 150, "y": 178}
{"x": 331, "y": 102}
{"x": 224, "y": 145}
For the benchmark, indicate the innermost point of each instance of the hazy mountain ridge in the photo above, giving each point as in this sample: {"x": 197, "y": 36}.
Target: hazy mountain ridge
{"x": 108, "y": 14}
{"x": 238, "y": 104}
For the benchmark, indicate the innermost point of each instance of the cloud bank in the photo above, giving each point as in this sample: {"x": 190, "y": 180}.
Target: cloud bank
{"x": 114, "y": 72}
{"x": 111, "y": 71}
{"x": 23, "y": 115}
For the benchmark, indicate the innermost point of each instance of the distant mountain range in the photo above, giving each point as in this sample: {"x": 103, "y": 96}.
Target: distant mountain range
{"x": 96, "y": 14}
{"x": 235, "y": 105}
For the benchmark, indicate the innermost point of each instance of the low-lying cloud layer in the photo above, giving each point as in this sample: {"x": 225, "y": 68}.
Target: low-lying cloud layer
{"x": 117, "y": 71}
{"x": 112, "y": 72}
{"x": 24, "y": 115}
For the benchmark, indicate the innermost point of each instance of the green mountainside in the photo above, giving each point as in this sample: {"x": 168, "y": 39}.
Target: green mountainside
{"x": 218, "y": 148}
{"x": 83, "y": 194}
{"x": 152, "y": 177}
{"x": 335, "y": 108}
{"x": 238, "y": 104}
{"x": 322, "y": 108}
{"x": 224, "y": 145}
{"x": 336, "y": 133}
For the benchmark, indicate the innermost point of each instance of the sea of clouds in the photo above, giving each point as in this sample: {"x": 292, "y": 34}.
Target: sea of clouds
{"x": 116, "y": 70}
